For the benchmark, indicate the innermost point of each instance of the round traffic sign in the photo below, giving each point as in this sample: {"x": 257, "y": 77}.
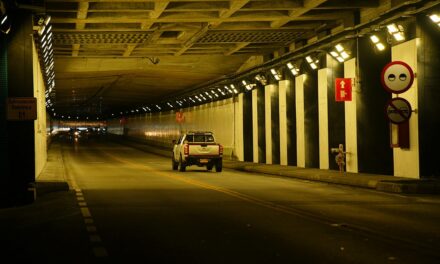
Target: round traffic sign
{"x": 398, "y": 110}
{"x": 397, "y": 77}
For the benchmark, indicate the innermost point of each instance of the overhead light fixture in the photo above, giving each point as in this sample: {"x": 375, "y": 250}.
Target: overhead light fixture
{"x": 3, "y": 18}
{"x": 312, "y": 63}
{"x": 339, "y": 54}
{"x": 5, "y": 25}
{"x": 396, "y": 31}
{"x": 435, "y": 18}
{"x": 376, "y": 41}
{"x": 293, "y": 68}
{"x": 261, "y": 78}
{"x": 247, "y": 85}
{"x": 47, "y": 20}
{"x": 276, "y": 74}
{"x": 234, "y": 89}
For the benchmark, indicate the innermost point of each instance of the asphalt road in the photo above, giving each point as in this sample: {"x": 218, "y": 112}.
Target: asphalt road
{"x": 129, "y": 206}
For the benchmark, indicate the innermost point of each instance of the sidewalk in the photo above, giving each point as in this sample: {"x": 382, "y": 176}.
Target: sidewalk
{"x": 384, "y": 183}
{"x": 53, "y": 176}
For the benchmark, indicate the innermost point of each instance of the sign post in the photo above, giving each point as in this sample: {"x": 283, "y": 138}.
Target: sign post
{"x": 397, "y": 77}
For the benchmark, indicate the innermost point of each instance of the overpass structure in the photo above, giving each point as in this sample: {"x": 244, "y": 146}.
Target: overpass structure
{"x": 279, "y": 82}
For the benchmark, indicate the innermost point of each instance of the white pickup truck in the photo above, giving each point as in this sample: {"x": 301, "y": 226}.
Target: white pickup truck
{"x": 197, "y": 148}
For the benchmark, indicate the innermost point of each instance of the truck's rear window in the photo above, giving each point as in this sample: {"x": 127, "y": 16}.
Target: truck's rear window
{"x": 199, "y": 138}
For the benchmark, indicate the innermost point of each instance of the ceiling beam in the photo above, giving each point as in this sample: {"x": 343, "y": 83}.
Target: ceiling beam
{"x": 129, "y": 50}
{"x": 296, "y": 13}
{"x": 237, "y": 47}
{"x": 83, "y": 8}
{"x": 159, "y": 7}
{"x": 75, "y": 50}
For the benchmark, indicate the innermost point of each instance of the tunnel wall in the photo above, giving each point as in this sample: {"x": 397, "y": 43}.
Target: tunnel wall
{"x": 39, "y": 124}
{"x": 160, "y": 129}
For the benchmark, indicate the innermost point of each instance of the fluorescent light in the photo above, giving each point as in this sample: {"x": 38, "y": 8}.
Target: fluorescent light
{"x": 4, "y": 20}
{"x": 435, "y": 18}
{"x": 309, "y": 59}
{"x": 375, "y": 39}
{"x": 339, "y": 47}
{"x": 313, "y": 65}
{"x": 392, "y": 28}
{"x": 334, "y": 54}
{"x": 41, "y": 30}
{"x": 276, "y": 74}
{"x": 340, "y": 59}
{"x": 380, "y": 46}
{"x": 293, "y": 68}
{"x": 345, "y": 55}
{"x": 47, "y": 20}
{"x": 399, "y": 36}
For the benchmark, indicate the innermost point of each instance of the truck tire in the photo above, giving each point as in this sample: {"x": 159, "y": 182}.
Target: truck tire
{"x": 209, "y": 167}
{"x": 218, "y": 165}
{"x": 182, "y": 166}
{"x": 175, "y": 164}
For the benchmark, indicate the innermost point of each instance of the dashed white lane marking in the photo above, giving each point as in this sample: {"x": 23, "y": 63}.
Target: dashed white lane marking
{"x": 85, "y": 212}
{"x": 98, "y": 250}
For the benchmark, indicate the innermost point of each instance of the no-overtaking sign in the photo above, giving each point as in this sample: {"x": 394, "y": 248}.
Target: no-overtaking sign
{"x": 398, "y": 110}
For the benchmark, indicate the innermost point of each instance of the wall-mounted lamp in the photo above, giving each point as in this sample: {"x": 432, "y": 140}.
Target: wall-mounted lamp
{"x": 312, "y": 63}
{"x": 248, "y": 85}
{"x": 339, "y": 53}
{"x": 276, "y": 74}
{"x": 376, "y": 41}
{"x": 261, "y": 79}
{"x": 435, "y": 18}
{"x": 234, "y": 89}
{"x": 396, "y": 31}
{"x": 5, "y": 25}
{"x": 293, "y": 68}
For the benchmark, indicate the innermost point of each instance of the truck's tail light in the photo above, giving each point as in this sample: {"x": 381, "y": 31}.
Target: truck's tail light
{"x": 220, "y": 149}
{"x": 186, "y": 149}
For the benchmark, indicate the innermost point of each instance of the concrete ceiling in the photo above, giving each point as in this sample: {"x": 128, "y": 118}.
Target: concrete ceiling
{"x": 106, "y": 50}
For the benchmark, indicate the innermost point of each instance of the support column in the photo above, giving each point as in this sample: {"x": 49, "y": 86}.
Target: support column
{"x": 238, "y": 131}
{"x": 323, "y": 119}
{"x": 20, "y": 134}
{"x": 300, "y": 129}
{"x": 268, "y": 121}
{"x": 255, "y": 124}
{"x": 406, "y": 161}
{"x": 351, "y": 120}
{"x": 283, "y": 86}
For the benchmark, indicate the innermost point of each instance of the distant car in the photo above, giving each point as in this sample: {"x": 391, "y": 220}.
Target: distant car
{"x": 197, "y": 148}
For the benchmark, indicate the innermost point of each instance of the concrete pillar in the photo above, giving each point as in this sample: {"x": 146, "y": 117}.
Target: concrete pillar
{"x": 20, "y": 146}
{"x": 268, "y": 121}
{"x": 300, "y": 128}
{"x": 406, "y": 161}
{"x": 238, "y": 131}
{"x": 283, "y": 86}
{"x": 255, "y": 125}
{"x": 323, "y": 119}
{"x": 351, "y": 120}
